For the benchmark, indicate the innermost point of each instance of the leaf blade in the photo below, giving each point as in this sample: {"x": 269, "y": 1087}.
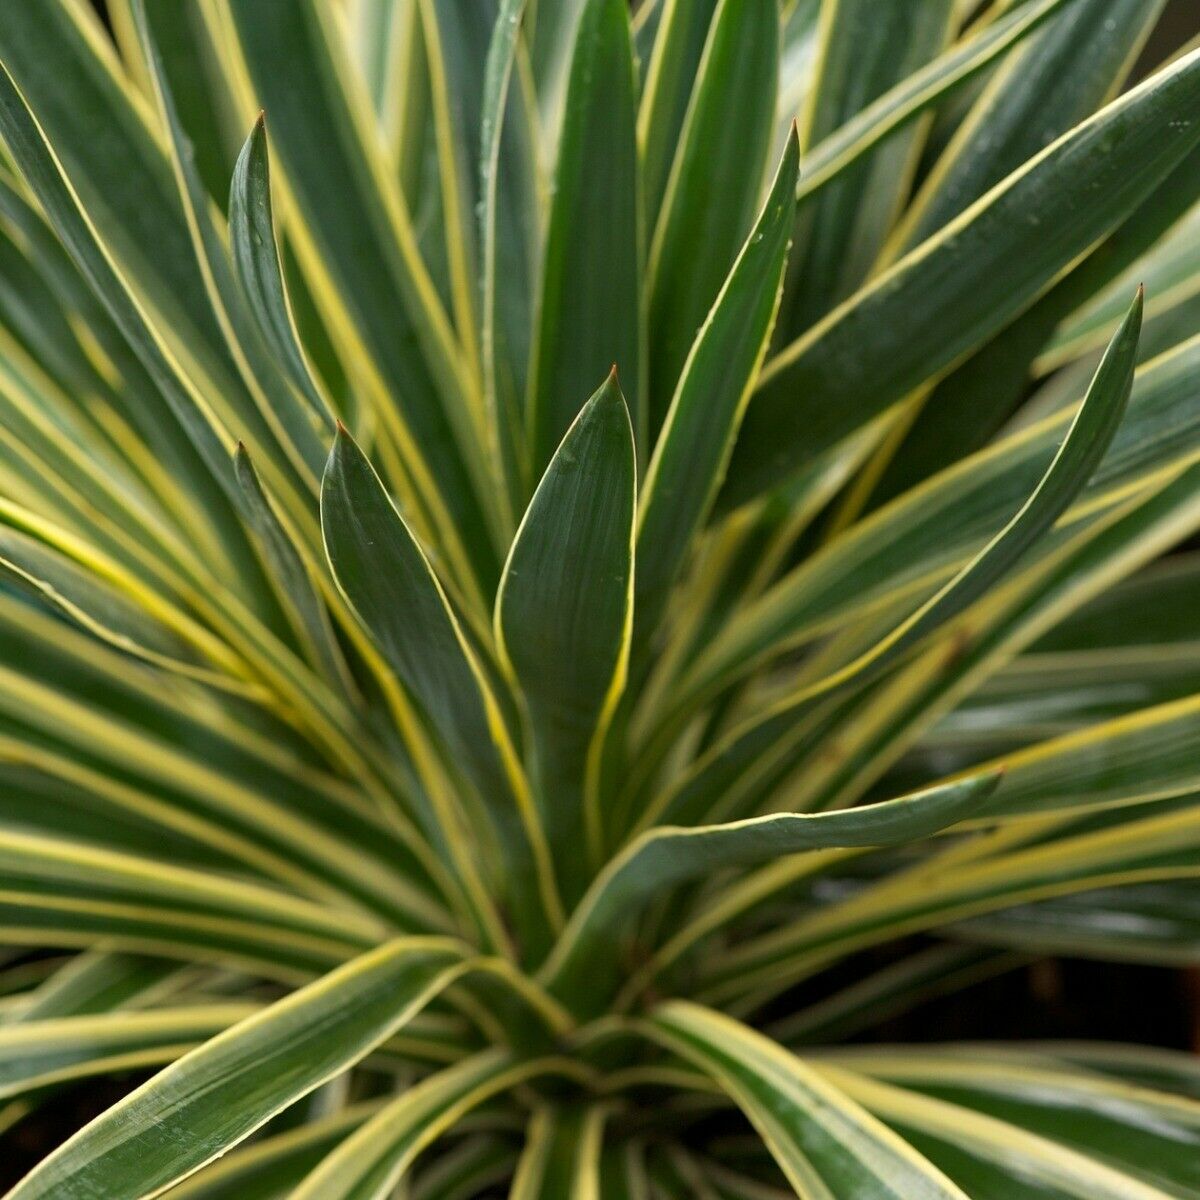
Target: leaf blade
{"x": 590, "y": 306}
{"x": 966, "y": 283}
{"x": 822, "y": 1140}
{"x": 564, "y": 613}
{"x": 172, "y": 1126}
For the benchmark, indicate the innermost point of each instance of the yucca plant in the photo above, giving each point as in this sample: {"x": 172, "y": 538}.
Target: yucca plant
{"x": 625, "y": 512}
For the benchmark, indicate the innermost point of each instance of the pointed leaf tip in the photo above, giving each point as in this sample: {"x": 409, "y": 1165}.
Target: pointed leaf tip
{"x": 608, "y": 393}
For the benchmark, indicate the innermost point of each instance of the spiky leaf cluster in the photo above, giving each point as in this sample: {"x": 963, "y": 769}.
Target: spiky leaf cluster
{"x": 573, "y": 524}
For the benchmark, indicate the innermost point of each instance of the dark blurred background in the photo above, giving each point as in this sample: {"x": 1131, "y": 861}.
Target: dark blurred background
{"x": 1180, "y": 23}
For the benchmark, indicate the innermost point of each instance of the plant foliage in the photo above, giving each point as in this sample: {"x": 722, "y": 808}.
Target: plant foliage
{"x": 530, "y": 531}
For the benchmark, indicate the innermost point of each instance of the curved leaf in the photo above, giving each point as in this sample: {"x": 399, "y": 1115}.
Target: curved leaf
{"x": 588, "y": 951}
{"x": 1087, "y": 440}
{"x": 356, "y": 223}
{"x": 825, "y": 1143}
{"x": 369, "y": 1164}
{"x": 259, "y": 270}
{"x": 220, "y": 1093}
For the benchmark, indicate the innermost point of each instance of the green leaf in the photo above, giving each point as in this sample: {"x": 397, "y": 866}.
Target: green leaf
{"x": 589, "y": 312}
{"x": 1151, "y": 1135}
{"x": 970, "y": 404}
{"x": 510, "y": 241}
{"x": 715, "y": 185}
{"x": 564, "y": 616}
{"x": 967, "y": 283}
{"x": 1134, "y": 759}
{"x": 582, "y": 971}
{"x": 1151, "y": 843}
{"x": 293, "y": 580}
{"x": 921, "y": 90}
{"x": 273, "y": 1166}
{"x": 99, "y": 732}
{"x": 391, "y": 586}
{"x": 357, "y": 224}
{"x": 670, "y": 78}
{"x": 236, "y": 395}
{"x": 867, "y": 48}
{"x": 217, "y": 1095}
{"x": 1128, "y": 537}
{"x": 206, "y": 514}
{"x": 136, "y": 900}
{"x": 918, "y": 536}
{"x": 1056, "y": 79}
{"x": 370, "y": 1163}
{"x": 1059, "y": 78}
{"x": 64, "y": 66}
{"x": 259, "y": 270}
{"x": 106, "y": 609}
{"x": 561, "y": 1159}
{"x": 28, "y": 147}
{"x": 824, "y": 1142}
{"x": 98, "y": 981}
{"x": 1143, "y": 1154}
{"x": 35, "y": 1054}
{"x": 286, "y": 428}
{"x": 456, "y": 35}
{"x": 698, "y": 434}
{"x": 1086, "y": 442}
{"x": 193, "y": 66}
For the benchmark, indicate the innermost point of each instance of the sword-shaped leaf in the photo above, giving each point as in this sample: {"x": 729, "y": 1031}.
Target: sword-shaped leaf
{"x": 1089, "y": 437}
{"x": 824, "y": 1142}
{"x": 715, "y": 185}
{"x": 212, "y": 1098}
{"x": 564, "y": 617}
{"x": 967, "y": 283}
{"x": 259, "y": 270}
{"x": 589, "y": 313}
{"x": 356, "y": 222}
{"x": 390, "y": 584}
{"x": 701, "y": 426}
